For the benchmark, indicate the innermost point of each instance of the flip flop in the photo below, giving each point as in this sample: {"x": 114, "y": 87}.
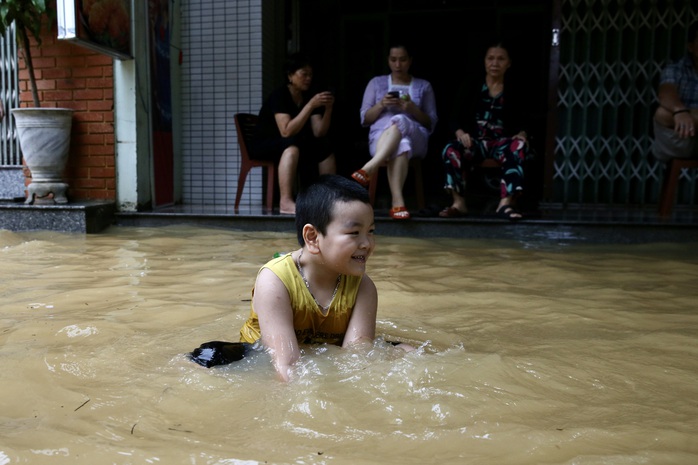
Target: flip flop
{"x": 507, "y": 212}
{"x": 399, "y": 213}
{"x": 361, "y": 177}
{"x": 452, "y": 212}
{"x": 213, "y": 353}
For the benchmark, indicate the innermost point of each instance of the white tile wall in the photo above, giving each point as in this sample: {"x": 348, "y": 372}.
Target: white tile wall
{"x": 221, "y": 76}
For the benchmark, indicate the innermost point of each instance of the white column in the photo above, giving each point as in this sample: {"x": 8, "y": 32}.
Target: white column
{"x": 131, "y": 122}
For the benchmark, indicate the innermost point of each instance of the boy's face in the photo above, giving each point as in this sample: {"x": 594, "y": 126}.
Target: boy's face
{"x": 349, "y": 240}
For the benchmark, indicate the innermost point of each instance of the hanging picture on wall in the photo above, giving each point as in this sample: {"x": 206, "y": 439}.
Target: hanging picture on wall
{"x": 101, "y": 25}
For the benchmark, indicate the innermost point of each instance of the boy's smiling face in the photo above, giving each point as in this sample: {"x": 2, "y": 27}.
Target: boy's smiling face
{"x": 349, "y": 240}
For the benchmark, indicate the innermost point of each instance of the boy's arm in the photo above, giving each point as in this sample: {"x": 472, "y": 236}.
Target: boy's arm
{"x": 362, "y": 324}
{"x": 363, "y": 319}
{"x": 273, "y": 307}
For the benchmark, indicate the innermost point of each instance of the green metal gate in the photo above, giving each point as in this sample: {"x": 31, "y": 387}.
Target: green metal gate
{"x": 611, "y": 55}
{"x": 9, "y": 98}
{"x": 11, "y": 175}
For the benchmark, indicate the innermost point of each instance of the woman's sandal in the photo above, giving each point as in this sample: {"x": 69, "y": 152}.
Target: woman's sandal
{"x": 399, "y": 213}
{"x": 507, "y": 212}
{"x": 361, "y": 177}
{"x": 452, "y": 212}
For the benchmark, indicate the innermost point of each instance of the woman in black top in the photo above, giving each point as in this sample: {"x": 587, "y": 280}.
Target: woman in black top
{"x": 293, "y": 127}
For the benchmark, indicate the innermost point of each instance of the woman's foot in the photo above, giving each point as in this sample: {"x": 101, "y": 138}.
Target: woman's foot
{"x": 452, "y": 212}
{"x": 458, "y": 208}
{"x": 287, "y": 207}
{"x": 400, "y": 213}
{"x": 508, "y": 212}
{"x": 361, "y": 177}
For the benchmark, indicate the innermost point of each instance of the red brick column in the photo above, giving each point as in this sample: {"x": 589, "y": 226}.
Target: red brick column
{"x": 71, "y": 76}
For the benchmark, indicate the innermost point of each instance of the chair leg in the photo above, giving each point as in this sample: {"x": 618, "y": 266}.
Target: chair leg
{"x": 241, "y": 185}
{"x": 419, "y": 184}
{"x": 668, "y": 194}
{"x": 271, "y": 179}
{"x": 372, "y": 187}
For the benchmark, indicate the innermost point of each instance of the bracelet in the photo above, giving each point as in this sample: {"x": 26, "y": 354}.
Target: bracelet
{"x": 684, "y": 110}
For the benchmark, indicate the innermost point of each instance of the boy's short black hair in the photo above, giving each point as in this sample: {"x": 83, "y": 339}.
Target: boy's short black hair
{"x": 316, "y": 204}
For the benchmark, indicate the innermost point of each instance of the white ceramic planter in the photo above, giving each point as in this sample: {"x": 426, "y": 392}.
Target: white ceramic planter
{"x": 44, "y": 138}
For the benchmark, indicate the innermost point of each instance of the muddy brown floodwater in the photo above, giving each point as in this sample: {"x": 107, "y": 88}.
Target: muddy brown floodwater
{"x": 529, "y": 353}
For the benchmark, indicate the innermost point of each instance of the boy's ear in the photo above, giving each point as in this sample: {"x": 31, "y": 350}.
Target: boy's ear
{"x": 310, "y": 236}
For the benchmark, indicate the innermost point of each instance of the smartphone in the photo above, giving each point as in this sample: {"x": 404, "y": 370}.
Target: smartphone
{"x": 394, "y": 93}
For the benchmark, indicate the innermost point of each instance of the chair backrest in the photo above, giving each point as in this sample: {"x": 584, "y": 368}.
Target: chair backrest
{"x": 246, "y": 125}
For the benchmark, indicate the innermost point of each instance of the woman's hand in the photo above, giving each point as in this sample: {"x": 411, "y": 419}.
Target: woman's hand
{"x": 522, "y": 136}
{"x": 464, "y": 138}
{"x": 322, "y": 99}
{"x": 407, "y": 106}
{"x": 390, "y": 100}
{"x": 684, "y": 126}
{"x": 404, "y": 102}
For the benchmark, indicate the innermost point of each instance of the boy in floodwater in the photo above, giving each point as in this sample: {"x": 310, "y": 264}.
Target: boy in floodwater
{"x": 319, "y": 293}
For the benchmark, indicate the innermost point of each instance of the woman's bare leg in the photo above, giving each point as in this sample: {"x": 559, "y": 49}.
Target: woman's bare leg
{"x": 386, "y": 146}
{"x": 458, "y": 201}
{"x": 328, "y": 165}
{"x": 397, "y": 174}
{"x": 288, "y": 165}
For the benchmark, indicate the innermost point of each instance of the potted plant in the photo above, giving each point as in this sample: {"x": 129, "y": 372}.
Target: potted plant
{"x": 44, "y": 133}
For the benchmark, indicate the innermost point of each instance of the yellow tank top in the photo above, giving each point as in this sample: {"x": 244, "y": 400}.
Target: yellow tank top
{"x": 310, "y": 324}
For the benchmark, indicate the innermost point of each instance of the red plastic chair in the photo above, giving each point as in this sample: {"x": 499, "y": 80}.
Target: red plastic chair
{"x": 246, "y": 123}
{"x": 671, "y": 182}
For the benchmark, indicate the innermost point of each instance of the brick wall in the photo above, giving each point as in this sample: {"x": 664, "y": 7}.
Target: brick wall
{"x": 71, "y": 76}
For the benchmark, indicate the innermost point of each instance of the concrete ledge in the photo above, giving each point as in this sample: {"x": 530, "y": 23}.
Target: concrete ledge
{"x": 546, "y": 230}
{"x": 553, "y": 226}
{"x": 251, "y": 222}
{"x": 11, "y": 182}
{"x": 80, "y": 217}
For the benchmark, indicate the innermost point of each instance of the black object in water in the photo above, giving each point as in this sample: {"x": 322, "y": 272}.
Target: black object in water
{"x": 214, "y": 353}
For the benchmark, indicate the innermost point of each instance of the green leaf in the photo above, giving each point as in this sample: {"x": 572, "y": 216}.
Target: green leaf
{"x": 27, "y": 15}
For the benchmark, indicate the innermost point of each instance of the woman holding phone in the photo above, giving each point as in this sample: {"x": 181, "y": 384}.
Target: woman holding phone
{"x": 401, "y": 112}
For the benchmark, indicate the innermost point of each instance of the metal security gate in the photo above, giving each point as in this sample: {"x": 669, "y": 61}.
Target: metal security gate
{"x": 9, "y": 98}
{"x": 11, "y": 175}
{"x": 611, "y": 55}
